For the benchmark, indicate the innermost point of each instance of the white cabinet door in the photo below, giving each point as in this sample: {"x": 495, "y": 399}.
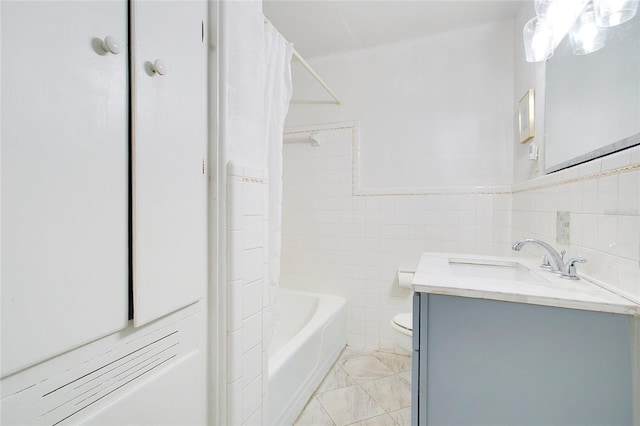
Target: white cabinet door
{"x": 169, "y": 150}
{"x": 64, "y": 177}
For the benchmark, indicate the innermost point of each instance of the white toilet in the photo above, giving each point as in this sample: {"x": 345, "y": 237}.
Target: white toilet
{"x": 402, "y": 324}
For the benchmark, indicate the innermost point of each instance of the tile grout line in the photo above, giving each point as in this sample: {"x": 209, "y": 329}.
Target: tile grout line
{"x": 387, "y": 412}
{"x": 325, "y": 411}
{"x": 372, "y": 398}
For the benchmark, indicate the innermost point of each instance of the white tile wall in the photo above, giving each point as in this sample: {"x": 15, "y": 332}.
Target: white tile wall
{"x": 246, "y": 354}
{"x": 339, "y": 243}
{"x": 603, "y": 198}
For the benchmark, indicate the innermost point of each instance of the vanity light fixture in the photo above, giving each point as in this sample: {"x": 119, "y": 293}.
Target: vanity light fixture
{"x": 585, "y": 20}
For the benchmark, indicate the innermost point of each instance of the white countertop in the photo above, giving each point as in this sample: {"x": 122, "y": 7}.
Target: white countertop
{"x": 436, "y": 275}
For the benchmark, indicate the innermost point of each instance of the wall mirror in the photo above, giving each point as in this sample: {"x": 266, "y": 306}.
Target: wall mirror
{"x": 592, "y": 105}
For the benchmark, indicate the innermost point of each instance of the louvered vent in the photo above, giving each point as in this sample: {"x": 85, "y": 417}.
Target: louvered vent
{"x": 84, "y": 391}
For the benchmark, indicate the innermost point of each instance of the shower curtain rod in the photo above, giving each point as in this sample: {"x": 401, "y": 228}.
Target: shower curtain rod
{"x": 308, "y": 67}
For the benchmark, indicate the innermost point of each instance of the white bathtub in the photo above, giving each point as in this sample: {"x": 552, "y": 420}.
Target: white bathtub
{"x": 310, "y": 335}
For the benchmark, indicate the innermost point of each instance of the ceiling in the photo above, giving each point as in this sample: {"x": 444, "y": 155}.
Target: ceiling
{"x": 325, "y": 27}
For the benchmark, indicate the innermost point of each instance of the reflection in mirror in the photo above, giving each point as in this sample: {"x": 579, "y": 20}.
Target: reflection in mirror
{"x": 593, "y": 101}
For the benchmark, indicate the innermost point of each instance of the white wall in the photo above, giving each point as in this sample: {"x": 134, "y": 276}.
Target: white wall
{"x": 527, "y": 76}
{"x": 241, "y": 185}
{"x": 602, "y": 196}
{"x": 434, "y": 112}
{"x": 336, "y": 242}
{"x": 428, "y": 169}
{"x": 356, "y": 209}
{"x": 242, "y": 82}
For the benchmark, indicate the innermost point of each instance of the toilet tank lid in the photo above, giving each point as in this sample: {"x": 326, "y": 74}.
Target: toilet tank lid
{"x": 404, "y": 320}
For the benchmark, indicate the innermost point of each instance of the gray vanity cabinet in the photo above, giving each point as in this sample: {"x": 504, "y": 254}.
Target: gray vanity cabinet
{"x": 485, "y": 362}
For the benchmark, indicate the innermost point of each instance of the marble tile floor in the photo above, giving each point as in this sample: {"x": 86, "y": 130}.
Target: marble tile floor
{"x": 362, "y": 388}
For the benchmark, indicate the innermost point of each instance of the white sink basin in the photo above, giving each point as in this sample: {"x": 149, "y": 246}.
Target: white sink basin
{"x": 512, "y": 279}
{"x": 494, "y": 270}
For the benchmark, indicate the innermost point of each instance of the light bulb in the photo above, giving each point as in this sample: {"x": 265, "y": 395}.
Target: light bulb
{"x": 609, "y": 13}
{"x": 560, "y": 15}
{"x": 586, "y": 37}
{"x": 538, "y": 40}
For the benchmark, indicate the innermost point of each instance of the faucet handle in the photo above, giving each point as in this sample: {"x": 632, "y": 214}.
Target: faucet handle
{"x": 569, "y": 270}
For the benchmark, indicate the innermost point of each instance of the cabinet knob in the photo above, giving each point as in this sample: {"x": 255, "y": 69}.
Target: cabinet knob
{"x": 110, "y": 44}
{"x": 159, "y": 67}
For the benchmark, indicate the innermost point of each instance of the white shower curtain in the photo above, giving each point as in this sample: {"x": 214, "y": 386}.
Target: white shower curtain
{"x": 278, "y": 89}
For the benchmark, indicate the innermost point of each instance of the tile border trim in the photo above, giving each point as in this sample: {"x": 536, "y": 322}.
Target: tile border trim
{"x": 252, "y": 180}
{"x": 617, "y": 171}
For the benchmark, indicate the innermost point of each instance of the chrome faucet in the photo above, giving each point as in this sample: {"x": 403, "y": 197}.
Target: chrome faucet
{"x": 551, "y": 255}
{"x": 553, "y": 259}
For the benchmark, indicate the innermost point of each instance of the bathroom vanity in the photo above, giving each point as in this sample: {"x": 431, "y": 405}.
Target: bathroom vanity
{"x": 498, "y": 340}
